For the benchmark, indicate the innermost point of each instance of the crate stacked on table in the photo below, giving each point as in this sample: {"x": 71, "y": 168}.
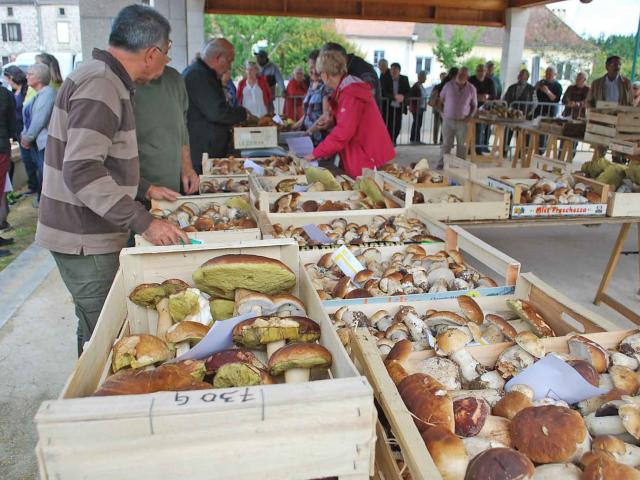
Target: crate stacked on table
{"x": 607, "y": 125}
{"x": 323, "y": 428}
{"x": 563, "y": 127}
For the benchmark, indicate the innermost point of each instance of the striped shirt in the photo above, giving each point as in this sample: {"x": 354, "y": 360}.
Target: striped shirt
{"x": 91, "y": 170}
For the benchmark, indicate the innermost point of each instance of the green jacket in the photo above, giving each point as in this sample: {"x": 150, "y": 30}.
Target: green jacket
{"x": 161, "y": 128}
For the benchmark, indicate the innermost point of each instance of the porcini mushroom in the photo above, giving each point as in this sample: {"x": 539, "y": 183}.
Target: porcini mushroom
{"x": 255, "y": 302}
{"x": 183, "y": 335}
{"x": 297, "y": 359}
{"x": 154, "y": 295}
{"x": 269, "y": 332}
{"x": 502, "y": 463}
{"x": 288, "y": 306}
{"x": 138, "y": 351}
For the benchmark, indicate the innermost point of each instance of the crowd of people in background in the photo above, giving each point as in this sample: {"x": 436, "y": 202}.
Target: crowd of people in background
{"x": 95, "y": 158}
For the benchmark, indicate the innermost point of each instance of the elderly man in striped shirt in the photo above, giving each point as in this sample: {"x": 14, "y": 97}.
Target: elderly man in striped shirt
{"x": 92, "y": 174}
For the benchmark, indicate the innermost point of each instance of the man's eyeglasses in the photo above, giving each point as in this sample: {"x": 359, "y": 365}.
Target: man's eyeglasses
{"x": 165, "y": 53}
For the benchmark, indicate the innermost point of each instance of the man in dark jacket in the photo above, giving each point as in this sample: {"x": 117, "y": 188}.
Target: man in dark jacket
{"x": 7, "y": 133}
{"x": 395, "y": 88}
{"x": 519, "y": 96}
{"x": 210, "y": 117}
{"x": 486, "y": 89}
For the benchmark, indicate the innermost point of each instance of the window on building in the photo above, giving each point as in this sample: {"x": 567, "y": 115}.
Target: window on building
{"x": 63, "y": 32}
{"x": 61, "y": 12}
{"x": 9, "y": 11}
{"x": 535, "y": 70}
{"x": 11, "y": 32}
{"x": 377, "y": 56}
{"x": 5, "y": 60}
{"x": 423, "y": 63}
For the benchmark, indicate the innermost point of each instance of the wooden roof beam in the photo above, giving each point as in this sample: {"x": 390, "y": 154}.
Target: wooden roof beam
{"x": 528, "y": 3}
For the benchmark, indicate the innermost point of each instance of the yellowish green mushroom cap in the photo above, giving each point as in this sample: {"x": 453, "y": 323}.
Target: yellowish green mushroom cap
{"x": 183, "y": 304}
{"x": 174, "y": 285}
{"x": 324, "y": 176}
{"x": 236, "y": 375}
{"x": 258, "y": 332}
{"x": 147, "y": 295}
{"x": 221, "y": 309}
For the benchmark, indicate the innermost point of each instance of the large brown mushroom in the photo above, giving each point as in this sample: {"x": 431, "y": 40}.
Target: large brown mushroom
{"x": 297, "y": 359}
{"x": 500, "y": 464}
{"x": 138, "y": 351}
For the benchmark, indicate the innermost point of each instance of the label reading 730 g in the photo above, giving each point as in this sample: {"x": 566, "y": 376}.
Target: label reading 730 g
{"x": 243, "y": 395}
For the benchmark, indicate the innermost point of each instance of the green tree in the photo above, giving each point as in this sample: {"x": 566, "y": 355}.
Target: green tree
{"x": 472, "y": 62}
{"x": 450, "y": 52}
{"x": 620, "y": 45}
{"x": 289, "y": 40}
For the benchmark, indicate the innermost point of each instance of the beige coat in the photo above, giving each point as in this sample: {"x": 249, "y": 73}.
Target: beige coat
{"x": 596, "y": 92}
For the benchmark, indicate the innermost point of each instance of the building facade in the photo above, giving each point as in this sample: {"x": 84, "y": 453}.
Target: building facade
{"x": 33, "y": 26}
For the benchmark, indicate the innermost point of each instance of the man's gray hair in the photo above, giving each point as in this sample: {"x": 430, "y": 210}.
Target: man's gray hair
{"x": 138, "y": 27}
{"x": 215, "y": 47}
{"x": 41, "y": 73}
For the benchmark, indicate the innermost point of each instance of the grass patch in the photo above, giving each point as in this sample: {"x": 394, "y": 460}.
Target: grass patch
{"x": 23, "y": 218}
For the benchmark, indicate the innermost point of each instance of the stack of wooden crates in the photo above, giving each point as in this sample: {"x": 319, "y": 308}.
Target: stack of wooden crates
{"x": 607, "y": 125}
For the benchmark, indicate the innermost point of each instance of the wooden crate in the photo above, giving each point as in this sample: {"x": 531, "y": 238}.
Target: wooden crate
{"x": 255, "y": 137}
{"x": 223, "y": 178}
{"x": 208, "y": 167}
{"x": 625, "y": 146}
{"x": 317, "y": 429}
{"x": 461, "y": 169}
{"x": 480, "y": 202}
{"x": 619, "y": 204}
{"x": 609, "y": 124}
{"x": 527, "y": 210}
{"x": 477, "y": 254}
{"x": 561, "y": 313}
{"x": 217, "y": 236}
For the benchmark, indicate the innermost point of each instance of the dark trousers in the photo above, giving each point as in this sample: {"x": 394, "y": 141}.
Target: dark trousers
{"x": 437, "y": 123}
{"x": 31, "y": 168}
{"x": 394, "y": 122}
{"x": 483, "y": 132}
{"x": 416, "y": 126}
{"x": 88, "y": 278}
{"x": 38, "y": 158}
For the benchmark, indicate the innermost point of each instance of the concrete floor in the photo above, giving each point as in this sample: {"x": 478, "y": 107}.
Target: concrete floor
{"x": 37, "y": 342}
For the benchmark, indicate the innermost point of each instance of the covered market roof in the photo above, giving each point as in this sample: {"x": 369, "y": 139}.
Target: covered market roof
{"x": 490, "y": 13}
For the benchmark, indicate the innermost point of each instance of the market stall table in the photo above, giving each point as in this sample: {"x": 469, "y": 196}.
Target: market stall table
{"x": 498, "y": 145}
{"x": 626, "y": 224}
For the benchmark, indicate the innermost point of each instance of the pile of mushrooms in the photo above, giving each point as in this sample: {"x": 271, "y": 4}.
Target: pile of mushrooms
{"x": 419, "y": 173}
{"x": 289, "y": 185}
{"x": 444, "y": 198}
{"x": 474, "y": 429}
{"x": 380, "y": 229}
{"x": 272, "y": 166}
{"x": 232, "y": 215}
{"x": 559, "y": 191}
{"x": 224, "y": 185}
{"x": 404, "y": 273}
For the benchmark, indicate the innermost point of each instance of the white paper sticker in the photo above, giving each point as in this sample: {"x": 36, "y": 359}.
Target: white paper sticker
{"x": 277, "y": 119}
{"x": 316, "y": 234}
{"x": 218, "y": 338}
{"x": 552, "y": 377}
{"x": 347, "y": 262}
{"x": 300, "y": 188}
{"x": 257, "y": 169}
{"x": 183, "y": 223}
{"x": 300, "y": 146}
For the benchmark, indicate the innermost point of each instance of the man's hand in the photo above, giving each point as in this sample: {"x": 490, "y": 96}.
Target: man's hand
{"x": 399, "y": 98}
{"x": 156, "y": 192}
{"x": 25, "y": 143}
{"x": 190, "y": 181}
{"x": 162, "y": 232}
{"x": 310, "y": 158}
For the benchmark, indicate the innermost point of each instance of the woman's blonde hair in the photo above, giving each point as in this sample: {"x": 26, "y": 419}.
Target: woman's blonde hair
{"x": 332, "y": 63}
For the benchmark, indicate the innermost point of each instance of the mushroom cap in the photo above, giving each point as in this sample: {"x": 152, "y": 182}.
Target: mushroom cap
{"x": 527, "y": 312}
{"x": 548, "y": 434}
{"x": 440, "y": 317}
{"x": 513, "y": 360}
{"x": 400, "y": 352}
{"x": 309, "y": 331}
{"x": 624, "y": 379}
{"x": 184, "y": 303}
{"x": 442, "y": 369}
{"x": 343, "y": 287}
{"x": 147, "y": 294}
{"x": 451, "y": 341}
{"x": 257, "y": 332}
{"x": 500, "y": 464}
{"x": 558, "y": 471}
{"x": 447, "y": 451}
{"x": 358, "y": 293}
{"x": 292, "y": 304}
{"x": 232, "y": 355}
{"x": 505, "y": 327}
{"x": 602, "y": 466}
{"x": 530, "y": 343}
{"x": 396, "y": 371}
{"x": 137, "y": 351}
{"x": 509, "y": 405}
{"x": 630, "y": 344}
{"x": 427, "y": 400}
{"x": 299, "y": 355}
{"x": 221, "y": 276}
{"x": 174, "y": 285}
{"x": 469, "y": 414}
{"x": 471, "y": 309}
{"x": 585, "y": 349}
{"x": 186, "y": 331}
{"x": 630, "y": 416}
{"x": 608, "y": 443}
{"x": 256, "y": 300}
{"x": 237, "y": 374}
{"x": 363, "y": 275}
{"x": 586, "y": 370}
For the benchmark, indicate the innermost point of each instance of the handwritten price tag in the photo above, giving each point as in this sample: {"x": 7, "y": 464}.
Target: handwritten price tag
{"x": 222, "y": 396}
{"x": 250, "y": 164}
{"x": 347, "y": 262}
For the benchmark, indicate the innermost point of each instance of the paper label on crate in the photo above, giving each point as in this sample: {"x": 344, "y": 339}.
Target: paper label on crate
{"x": 347, "y": 262}
{"x": 301, "y": 146}
{"x": 300, "y": 188}
{"x": 217, "y": 339}
{"x": 568, "y": 210}
{"x": 316, "y": 234}
{"x": 552, "y": 377}
{"x": 495, "y": 183}
{"x": 257, "y": 169}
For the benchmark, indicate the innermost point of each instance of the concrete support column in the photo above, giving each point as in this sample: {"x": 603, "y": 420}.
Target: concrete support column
{"x": 195, "y": 27}
{"x": 513, "y": 45}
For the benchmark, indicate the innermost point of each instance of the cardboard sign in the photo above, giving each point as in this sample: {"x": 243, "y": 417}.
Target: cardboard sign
{"x": 300, "y": 146}
{"x": 347, "y": 262}
{"x": 250, "y": 164}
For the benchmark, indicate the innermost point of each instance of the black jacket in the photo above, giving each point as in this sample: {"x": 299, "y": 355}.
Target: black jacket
{"x": 358, "y": 67}
{"x": 7, "y": 121}
{"x": 210, "y": 117}
{"x": 403, "y": 89}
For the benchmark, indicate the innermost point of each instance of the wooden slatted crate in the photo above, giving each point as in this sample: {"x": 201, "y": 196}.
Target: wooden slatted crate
{"x": 605, "y": 125}
{"x": 300, "y": 431}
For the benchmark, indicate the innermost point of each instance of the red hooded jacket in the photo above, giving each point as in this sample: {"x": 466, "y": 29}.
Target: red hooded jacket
{"x": 264, "y": 86}
{"x": 360, "y": 135}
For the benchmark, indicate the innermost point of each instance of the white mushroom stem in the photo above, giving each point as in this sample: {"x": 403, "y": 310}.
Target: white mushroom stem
{"x": 469, "y": 366}
{"x": 164, "y": 318}
{"x": 611, "y": 425}
{"x": 273, "y": 346}
{"x": 631, "y": 455}
{"x": 475, "y": 445}
{"x": 489, "y": 395}
{"x": 605, "y": 382}
{"x": 622, "y": 360}
{"x": 182, "y": 348}
{"x": 297, "y": 375}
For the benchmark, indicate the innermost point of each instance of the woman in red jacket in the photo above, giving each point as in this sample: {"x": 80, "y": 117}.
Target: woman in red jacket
{"x": 360, "y": 136}
{"x": 254, "y": 93}
{"x": 296, "y": 91}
